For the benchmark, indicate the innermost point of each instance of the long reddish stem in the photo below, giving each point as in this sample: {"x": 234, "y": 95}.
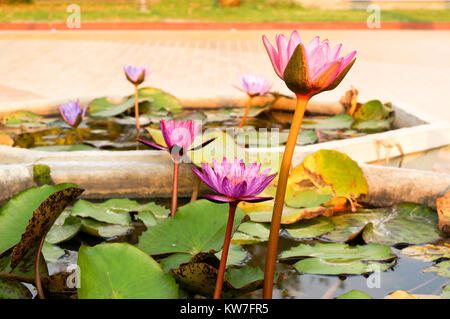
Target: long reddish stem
{"x": 37, "y": 271}
{"x": 249, "y": 104}
{"x": 136, "y": 112}
{"x": 176, "y": 166}
{"x": 226, "y": 246}
{"x": 279, "y": 197}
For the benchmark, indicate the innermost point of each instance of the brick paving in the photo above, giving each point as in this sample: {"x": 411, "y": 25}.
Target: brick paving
{"x": 409, "y": 67}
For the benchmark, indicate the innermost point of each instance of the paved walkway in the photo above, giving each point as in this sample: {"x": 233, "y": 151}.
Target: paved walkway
{"x": 411, "y": 67}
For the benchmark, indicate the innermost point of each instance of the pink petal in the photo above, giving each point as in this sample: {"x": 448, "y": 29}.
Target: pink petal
{"x": 219, "y": 199}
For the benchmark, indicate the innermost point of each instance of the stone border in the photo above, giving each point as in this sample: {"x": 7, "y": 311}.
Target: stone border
{"x": 145, "y": 179}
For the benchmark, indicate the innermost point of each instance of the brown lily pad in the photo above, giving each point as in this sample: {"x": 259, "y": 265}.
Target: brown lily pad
{"x": 201, "y": 278}
{"x": 443, "y": 209}
{"x": 42, "y": 220}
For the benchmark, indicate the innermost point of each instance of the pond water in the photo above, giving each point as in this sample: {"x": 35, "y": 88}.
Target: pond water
{"x": 406, "y": 274}
{"x": 119, "y": 133}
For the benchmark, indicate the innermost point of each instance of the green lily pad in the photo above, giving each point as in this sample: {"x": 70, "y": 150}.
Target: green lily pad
{"x": 103, "y": 107}
{"x": 251, "y": 233}
{"x": 158, "y": 99}
{"x": 262, "y": 212}
{"x": 339, "y": 121}
{"x": 197, "y": 227}
{"x": 52, "y": 252}
{"x": 24, "y": 118}
{"x": 310, "y": 228}
{"x": 335, "y": 172}
{"x": 254, "y": 138}
{"x": 63, "y": 229}
{"x": 243, "y": 276}
{"x": 336, "y": 259}
{"x": 301, "y": 192}
{"x": 372, "y": 110}
{"x": 354, "y": 294}
{"x": 236, "y": 255}
{"x": 372, "y": 126}
{"x": 103, "y": 230}
{"x": 122, "y": 271}
{"x": 16, "y": 213}
{"x": 174, "y": 261}
{"x": 113, "y": 211}
{"x": 13, "y": 289}
{"x": 442, "y": 269}
{"x": 402, "y": 223}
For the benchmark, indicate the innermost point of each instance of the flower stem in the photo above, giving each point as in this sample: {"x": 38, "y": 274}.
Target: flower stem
{"x": 249, "y": 104}
{"x": 176, "y": 166}
{"x": 226, "y": 246}
{"x": 196, "y": 190}
{"x": 17, "y": 277}
{"x": 279, "y": 197}
{"x": 136, "y": 112}
{"x": 37, "y": 271}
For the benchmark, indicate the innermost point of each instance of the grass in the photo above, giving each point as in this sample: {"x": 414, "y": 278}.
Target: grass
{"x": 203, "y": 10}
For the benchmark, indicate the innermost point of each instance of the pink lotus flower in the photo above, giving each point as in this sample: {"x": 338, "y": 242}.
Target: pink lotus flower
{"x": 135, "y": 74}
{"x": 178, "y": 136}
{"x": 234, "y": 182}
{"x": 72, "y": 113}
{"x": 316, "y": 67}
{"x": 254, "y": 85}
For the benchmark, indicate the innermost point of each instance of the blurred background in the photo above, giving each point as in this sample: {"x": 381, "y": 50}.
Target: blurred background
{"x": 224, "y": 10}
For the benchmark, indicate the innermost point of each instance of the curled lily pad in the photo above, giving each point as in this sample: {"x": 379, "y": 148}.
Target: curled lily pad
{"x": 197, "y": 227}
{"x": 13, "y": 289}
{"x": 43, "y": 218}
{"x": 122, "y": 271}
{"x": 16, "y": 213}
{"x": 336, "y": 259}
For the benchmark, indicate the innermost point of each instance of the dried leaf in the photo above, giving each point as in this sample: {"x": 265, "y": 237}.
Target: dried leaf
{"x": 42, "y": 220}
{"x": 443, "y": 209}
